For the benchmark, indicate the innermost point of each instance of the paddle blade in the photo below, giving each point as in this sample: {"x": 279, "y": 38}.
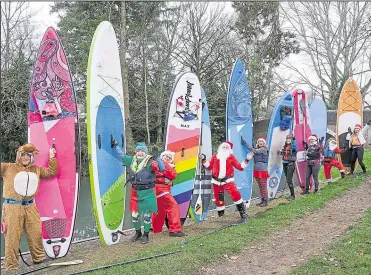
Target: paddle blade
{"x": 74, "y": 262}
{"x": 198, "y": 207}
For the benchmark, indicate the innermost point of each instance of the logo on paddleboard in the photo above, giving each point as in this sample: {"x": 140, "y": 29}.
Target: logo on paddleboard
{"x": 185, "y": 107}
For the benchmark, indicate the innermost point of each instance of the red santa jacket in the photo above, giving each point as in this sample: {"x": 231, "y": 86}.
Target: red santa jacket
{"x": 223, "y": 171}
{"x": 164, "y": 180}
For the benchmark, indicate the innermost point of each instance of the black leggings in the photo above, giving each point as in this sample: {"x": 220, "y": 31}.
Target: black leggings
{"x": 357, "y": 153}
{"x": 312, "y": 170}
{"x": 289, "y": 169}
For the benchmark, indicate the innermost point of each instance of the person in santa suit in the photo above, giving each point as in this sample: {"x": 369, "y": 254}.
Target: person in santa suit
{"x": 166, "y": 204}
{"x": 260, "y": 168}
{"x": 330, "y": 159}
{"x": 222, "y": 165}
{"x": 313, "y": 156}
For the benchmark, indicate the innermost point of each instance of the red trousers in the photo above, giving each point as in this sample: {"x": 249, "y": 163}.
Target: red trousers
{"x": 232, "y": 191}
{"x": 329, "y": 163}
{"x": 262, "y": 187}
{"x": 167, "y": 206}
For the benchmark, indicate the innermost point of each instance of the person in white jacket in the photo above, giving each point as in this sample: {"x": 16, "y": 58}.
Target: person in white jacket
{"x": 356, "y": 143}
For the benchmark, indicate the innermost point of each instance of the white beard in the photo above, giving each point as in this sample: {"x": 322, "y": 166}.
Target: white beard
{"x": 222, "y": 156}
{"x": 332, "y": 146}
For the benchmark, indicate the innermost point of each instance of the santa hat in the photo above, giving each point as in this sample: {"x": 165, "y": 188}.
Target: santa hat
{"x": 230, "y": 144}
{"x": 313, "y": 136}
{"x": 262, "y": 139}
{"x": 331, "y": 140}
{"x": 168, "y": 153}
{"x": 358, "y": 126}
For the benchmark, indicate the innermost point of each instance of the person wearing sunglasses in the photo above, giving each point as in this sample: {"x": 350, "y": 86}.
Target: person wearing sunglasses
{"x": 20, "y": 184}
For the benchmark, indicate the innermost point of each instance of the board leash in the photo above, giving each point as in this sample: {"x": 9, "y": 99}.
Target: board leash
{"x": 126, "y": 262}
{"x": 74, "y": 262}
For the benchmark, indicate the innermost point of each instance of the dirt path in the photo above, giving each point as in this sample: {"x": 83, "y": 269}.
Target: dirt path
{"x": 305, "y": 238}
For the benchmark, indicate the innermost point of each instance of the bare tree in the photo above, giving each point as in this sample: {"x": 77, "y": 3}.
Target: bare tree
{"x": 336, "y": 38}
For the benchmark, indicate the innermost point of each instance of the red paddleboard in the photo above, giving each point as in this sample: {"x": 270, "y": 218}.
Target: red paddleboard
{"x": 53, "y": 121}
{"x": 301, "y": 130}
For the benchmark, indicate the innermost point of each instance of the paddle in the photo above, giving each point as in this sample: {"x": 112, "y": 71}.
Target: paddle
{"x": 198, "y": 206}
{"x": 74, "y": 262}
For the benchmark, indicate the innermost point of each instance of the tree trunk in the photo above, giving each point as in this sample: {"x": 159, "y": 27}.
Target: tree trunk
{"x": 146, "y": 99}
{"x": 124, "y": 73}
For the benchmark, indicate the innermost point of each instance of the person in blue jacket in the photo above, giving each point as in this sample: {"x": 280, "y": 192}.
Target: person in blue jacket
{"x": 288, "y": 153}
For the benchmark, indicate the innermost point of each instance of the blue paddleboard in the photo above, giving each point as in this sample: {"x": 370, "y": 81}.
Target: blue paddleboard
{"x": 239, "y": 123}
{"x": 318, "y": 117}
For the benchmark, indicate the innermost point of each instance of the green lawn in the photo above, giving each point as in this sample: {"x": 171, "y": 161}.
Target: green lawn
{"x": 349, "y": 256}
{"x": 210, "y": 248}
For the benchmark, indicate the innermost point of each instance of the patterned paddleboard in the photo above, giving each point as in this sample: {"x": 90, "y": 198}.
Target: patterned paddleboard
{"x": 239, "y": 123}
{"x": 53, "y": 120}
{"x": 280, "y": 126}
{"x": 301, "y": 129}
{"x": 106, "y": 121}
{"x": 182, "y": 136}
{"x": 202, "y": 193}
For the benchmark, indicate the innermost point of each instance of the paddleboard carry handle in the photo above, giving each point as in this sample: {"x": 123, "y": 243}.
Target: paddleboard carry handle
{"x": 99, "y": 142}
{"x": 182, "y": 154}
{"x": 56, "y": 241}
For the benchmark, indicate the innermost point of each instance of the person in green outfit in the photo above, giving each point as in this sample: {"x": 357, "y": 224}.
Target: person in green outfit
{"x": 141, "y": 174}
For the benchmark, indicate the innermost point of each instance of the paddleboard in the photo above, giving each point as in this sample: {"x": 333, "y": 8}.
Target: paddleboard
{"x": 53, "y": 121}
{"x": 106, "y": 121}
{"x": 302, "y": 130}
{"x": 239, "y": 123}
{"x": 349, "y": 113}
{"x": 279, "y": 127}
{"x": 318, "y": 118}
{"x": 202, "y": 193}
{"x": 183, "y": 130}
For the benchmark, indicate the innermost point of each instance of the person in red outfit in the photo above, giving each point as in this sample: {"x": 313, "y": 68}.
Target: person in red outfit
{"x": 330, "y": 159}
{"x": 222, "y": 165}
{"x": 166, "y": 204}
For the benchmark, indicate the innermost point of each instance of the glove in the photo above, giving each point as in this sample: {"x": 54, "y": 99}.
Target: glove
{"x": 349, "y": 130}
{"x": 279, "y": 152}
{"x": 114, "y": 143}
{"x": 293, "y": 138}
{"x": 203, "y": 157}
{"x": 321, "y": 139}
{"x": 369, "y": 122}
{"x": 155, "y": 152}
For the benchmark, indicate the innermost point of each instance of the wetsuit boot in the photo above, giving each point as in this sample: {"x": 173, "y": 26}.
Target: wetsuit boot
{"x": 137, "y": 236}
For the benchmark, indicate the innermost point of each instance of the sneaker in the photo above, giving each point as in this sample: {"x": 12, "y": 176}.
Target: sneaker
{"x": 291, "y": 198}
{"x": 316, "y": 191}
{"x": 342, "y": 175}
{"x": 145, "y": 238}
{"x": 306, "y": 192}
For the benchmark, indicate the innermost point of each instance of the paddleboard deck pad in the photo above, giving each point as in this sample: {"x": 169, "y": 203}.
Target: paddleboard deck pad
{"x": 239, "y": 123}
{"x": 202, "y": 193}
{"x": 183, "y": 130}
{"x": 280, "y": 126}
{"x": 349, "y": 113}
{"x": 106, "y": 121}
{"x": 53, "y": 121}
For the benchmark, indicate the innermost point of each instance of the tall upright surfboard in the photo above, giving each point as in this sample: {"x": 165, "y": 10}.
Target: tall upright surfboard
{"x": 183, "y": 130}
{"x": 53, "y": 121}
{"x": 239, "y": 123}
{"x": 106, "y": 121}
{"x": 302, "y": 131}
{"x": 279, "y": 127}
{"x": 318, "y": 118}
{"x": 349, "y": 113}
{"x": 202, "y": 193}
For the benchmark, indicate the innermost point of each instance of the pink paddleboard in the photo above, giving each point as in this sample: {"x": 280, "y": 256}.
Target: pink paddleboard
{"x": 53, "y": 120}
{"x": 301, "y": 131}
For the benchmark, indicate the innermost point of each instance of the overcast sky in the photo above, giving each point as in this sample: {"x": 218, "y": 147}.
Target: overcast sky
{"x": 45, "y": 19}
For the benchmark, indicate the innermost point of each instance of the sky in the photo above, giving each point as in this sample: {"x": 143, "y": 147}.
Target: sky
{"x": 45, "y": 19}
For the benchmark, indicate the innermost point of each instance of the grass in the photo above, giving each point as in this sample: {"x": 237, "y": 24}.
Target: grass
{"x": 212, "y": 247}
{"x": 350, "y": 255}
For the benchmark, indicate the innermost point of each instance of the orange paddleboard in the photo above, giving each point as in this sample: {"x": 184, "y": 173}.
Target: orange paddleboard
{"x": 350, "y": 113}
